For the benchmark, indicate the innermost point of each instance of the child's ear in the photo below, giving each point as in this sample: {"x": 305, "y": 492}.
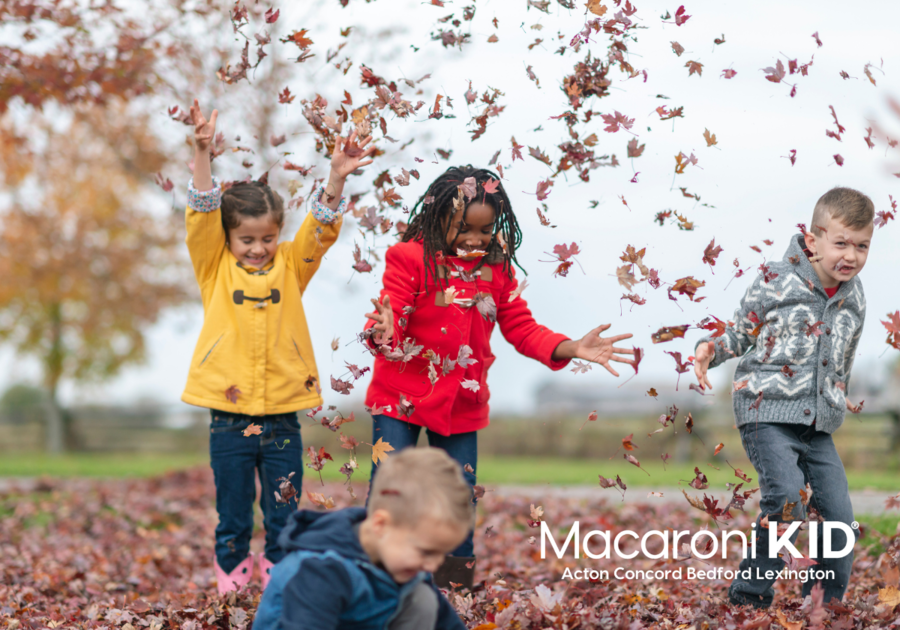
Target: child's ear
{"x": 380, "y": 520}
{"x": 810, "y": 240}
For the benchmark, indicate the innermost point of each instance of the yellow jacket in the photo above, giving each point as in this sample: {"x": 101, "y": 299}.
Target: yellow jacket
{"x": 260, "y": 357}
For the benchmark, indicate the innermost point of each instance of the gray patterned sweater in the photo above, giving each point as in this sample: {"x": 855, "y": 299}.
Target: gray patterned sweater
{"x": 801, "y": 370}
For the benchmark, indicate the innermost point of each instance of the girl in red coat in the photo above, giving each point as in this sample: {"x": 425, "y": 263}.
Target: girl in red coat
{"x": 446, "y": 284}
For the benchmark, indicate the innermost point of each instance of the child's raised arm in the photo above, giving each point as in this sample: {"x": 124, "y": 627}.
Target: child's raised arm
{"x": 321, "y": 227}
{"x": 204, "y": 133}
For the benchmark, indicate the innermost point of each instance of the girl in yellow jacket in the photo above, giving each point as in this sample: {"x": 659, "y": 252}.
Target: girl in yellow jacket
{"x": 253, "y": 366}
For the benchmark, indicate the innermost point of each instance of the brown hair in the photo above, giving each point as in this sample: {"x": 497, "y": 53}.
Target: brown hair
{"x": 849, "y": 206}
{"x": 419, "y": 482}
{"x": 250, "y": 199}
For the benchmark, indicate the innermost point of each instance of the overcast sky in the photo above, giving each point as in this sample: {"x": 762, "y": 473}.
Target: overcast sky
{"x": 749, "y": 191}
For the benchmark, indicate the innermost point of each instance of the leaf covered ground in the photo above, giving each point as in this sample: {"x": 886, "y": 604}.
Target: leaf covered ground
{"x": 134, "y": 554}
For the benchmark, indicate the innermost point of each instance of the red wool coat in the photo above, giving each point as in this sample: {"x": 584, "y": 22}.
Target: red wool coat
{"x": 441, "y": 328}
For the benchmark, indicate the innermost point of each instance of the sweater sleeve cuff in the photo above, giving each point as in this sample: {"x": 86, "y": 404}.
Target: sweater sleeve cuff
{"x": 551, "y": 343}
{"x": 323, "y": 213}
{"x": 206, "y": 200}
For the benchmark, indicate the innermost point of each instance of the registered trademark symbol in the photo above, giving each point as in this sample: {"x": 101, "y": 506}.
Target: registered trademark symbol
{"x": 854, "y": 525}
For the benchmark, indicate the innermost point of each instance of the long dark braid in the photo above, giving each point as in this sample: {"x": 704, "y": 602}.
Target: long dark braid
{"x": 426, "y": 219}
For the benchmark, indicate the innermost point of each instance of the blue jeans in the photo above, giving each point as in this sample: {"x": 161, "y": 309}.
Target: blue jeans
{"x": 462, "y": 447}
{"x": 276, "y": 452}
{"x": 787, "y": 457}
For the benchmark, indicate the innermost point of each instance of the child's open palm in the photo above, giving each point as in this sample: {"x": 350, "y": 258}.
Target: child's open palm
{"x": 384, "y": 320}
{"x": 705, "y": 352}
{"x": 204, "y": 130}
{"x": 349, "y": 156}
{"x": 601, "y": 350}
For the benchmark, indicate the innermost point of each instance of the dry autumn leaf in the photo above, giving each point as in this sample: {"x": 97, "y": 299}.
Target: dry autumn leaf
{"x": 253, "y": 429}
{"x": 380, "y": 449}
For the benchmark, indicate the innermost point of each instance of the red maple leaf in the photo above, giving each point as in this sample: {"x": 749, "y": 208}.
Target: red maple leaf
{"x": 232, "y": 394}
{"x": 776, "y": 74}
{"x": 564, "y": 252}
{"x": 616, "y": 121}
{"x": 893, "y": 328}
{"x": 543, "y": 189}
{"x": 680, "y": 367}
{"x": 490, "y": 186}
{"x": 711, "y": 252}
{"x": 633, "y": 149}
{"x": 812, "y": 330}
{"x": 517, "y": 150}
{"x": 729, "y": 73}
{"x": 717, "y": 327}
{"x": 299, "y": 38}
{"x": 680, "y": 16}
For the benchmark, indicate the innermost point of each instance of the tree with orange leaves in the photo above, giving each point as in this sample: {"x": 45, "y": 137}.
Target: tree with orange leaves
{"x": 85, "y": 267}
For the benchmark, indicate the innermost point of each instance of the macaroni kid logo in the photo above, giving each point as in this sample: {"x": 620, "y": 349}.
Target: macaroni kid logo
{"x": 704, "y": 544}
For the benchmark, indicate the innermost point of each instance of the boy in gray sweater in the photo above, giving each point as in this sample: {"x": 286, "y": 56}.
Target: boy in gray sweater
{"x": 796, "y": 334}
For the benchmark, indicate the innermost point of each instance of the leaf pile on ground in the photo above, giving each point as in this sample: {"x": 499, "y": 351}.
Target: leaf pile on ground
{"x": 135, "y": 554}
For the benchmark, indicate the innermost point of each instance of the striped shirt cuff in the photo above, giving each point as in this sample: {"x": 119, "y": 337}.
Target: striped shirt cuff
{"x": 207, "y": 200}
{"x": 323, "y": 213}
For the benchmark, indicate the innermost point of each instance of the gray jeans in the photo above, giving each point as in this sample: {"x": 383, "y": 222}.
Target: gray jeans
{"x": 418, "y": 610}
{"x": 786, "y": 458}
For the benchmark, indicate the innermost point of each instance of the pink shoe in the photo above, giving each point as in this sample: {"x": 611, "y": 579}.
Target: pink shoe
{"x": 239, "y": 577}
{"x": 265, "y": 569}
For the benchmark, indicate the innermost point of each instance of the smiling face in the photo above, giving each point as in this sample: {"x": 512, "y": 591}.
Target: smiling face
{"x": 255, "y": 241}
{"x": 405, "y": 550}
{"x": 474, "y": 233}
{"x": 843, "y": 251}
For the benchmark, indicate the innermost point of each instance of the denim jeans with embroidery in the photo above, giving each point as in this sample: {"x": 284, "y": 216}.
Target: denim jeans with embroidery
{"x": 787, "y": 457}
{"x": 462, "y": 447}
{"x": 275, "y": 453}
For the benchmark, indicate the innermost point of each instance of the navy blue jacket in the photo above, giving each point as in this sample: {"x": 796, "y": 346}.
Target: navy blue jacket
{"x": 327, "y": 581}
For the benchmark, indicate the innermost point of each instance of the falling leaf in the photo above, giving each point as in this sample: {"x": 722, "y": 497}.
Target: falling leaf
{"x": 253, "y": 429}
{"x": 232, "y": 394}
{"x": 633, "y": 149}
{"x": 709, "y": 137}
{"x": 470, "y": 384}
{"x": 616, "y": 121}
{"x": 694, "y": 67}
{"x": 592, "y": 417}
{"x": 719, "y": 447}
{"x": 380, "y": 450}
{"x": 711, "y": 253}
{"x": 319, "y": 499}
{"x": 678, "y": 48}
{"x": 627, "y": 443}
{"x": 668, "y": 333}
{"x": 299, "y": 38}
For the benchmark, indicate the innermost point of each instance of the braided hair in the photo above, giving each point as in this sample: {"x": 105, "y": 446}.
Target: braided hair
{"x": 250, "y": 199}
{"x": 436, "y": 205}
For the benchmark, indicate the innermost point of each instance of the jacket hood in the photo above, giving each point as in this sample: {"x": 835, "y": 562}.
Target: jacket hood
{"x": 321, "y": 531}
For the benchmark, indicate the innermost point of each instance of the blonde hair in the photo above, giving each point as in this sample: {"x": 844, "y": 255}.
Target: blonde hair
{"x": 852, "y": 208}
{"x": 420, "y": 482}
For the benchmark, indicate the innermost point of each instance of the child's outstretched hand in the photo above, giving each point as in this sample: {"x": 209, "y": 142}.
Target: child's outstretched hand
{"x": 384, "y": 320}
{"x": 346, "y": 158}
{"x": 349, "y": 156}
{"x": 204, "y": 130}
{"x": 705, "y": 353}
{"x": 596, "y": 349}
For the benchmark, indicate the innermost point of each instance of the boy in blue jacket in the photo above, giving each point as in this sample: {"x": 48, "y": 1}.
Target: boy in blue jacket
{"x": 364, "y": 568}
